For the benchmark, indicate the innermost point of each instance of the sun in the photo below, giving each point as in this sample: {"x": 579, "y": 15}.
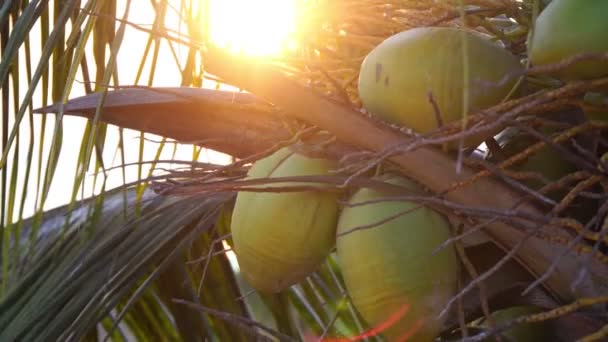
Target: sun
{"x": 255, "y": 28}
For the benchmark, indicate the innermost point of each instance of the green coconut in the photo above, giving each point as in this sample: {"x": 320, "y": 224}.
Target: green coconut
{"x": 525, "y": 332}
{"x": 398, "y": 75}
{"x": 566, "y": 28}
{"x": 281, "y": 238}
{"x": 389, "y": 270}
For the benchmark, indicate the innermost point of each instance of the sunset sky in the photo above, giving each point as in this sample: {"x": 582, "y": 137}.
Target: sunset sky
{"x": 257, "y": 28}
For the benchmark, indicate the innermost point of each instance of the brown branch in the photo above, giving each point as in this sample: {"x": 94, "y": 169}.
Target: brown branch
{"x": 228, "y": 122}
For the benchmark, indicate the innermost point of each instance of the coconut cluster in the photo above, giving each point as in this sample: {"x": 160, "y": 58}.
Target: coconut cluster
{"x": 419, "y": 79}
{"x": 280, "y": 238}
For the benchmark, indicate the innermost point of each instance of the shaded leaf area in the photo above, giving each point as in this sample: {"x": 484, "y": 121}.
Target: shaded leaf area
{"x": 104, "y": 263}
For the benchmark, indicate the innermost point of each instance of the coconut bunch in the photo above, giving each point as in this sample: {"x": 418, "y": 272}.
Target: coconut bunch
{"x": 450, "y": 155}
{"x": 509, "y": 89}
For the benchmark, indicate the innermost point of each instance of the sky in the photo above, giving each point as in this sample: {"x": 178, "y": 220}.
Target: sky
{"x": 266, "y": 26}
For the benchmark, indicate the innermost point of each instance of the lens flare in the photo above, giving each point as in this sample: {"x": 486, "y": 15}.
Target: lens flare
{"x": 378, "y": 329}
{"x": 256, "y": 28}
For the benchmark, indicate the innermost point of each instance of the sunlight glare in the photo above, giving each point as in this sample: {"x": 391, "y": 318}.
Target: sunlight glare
{"x": 257, "y": 28}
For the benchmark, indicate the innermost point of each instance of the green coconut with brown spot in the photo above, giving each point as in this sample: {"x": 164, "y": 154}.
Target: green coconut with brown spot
{"x": 282, "y": 237}
{"x": 390, "y": 270}
{"x": 399, "y": 75}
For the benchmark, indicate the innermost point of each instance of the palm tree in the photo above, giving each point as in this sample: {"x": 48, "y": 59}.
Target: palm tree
{"x": 151, "y": 259}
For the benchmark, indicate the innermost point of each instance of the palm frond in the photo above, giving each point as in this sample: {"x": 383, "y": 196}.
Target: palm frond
{"x": 88, "y": 271}
{"x": 151, "y": 260}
